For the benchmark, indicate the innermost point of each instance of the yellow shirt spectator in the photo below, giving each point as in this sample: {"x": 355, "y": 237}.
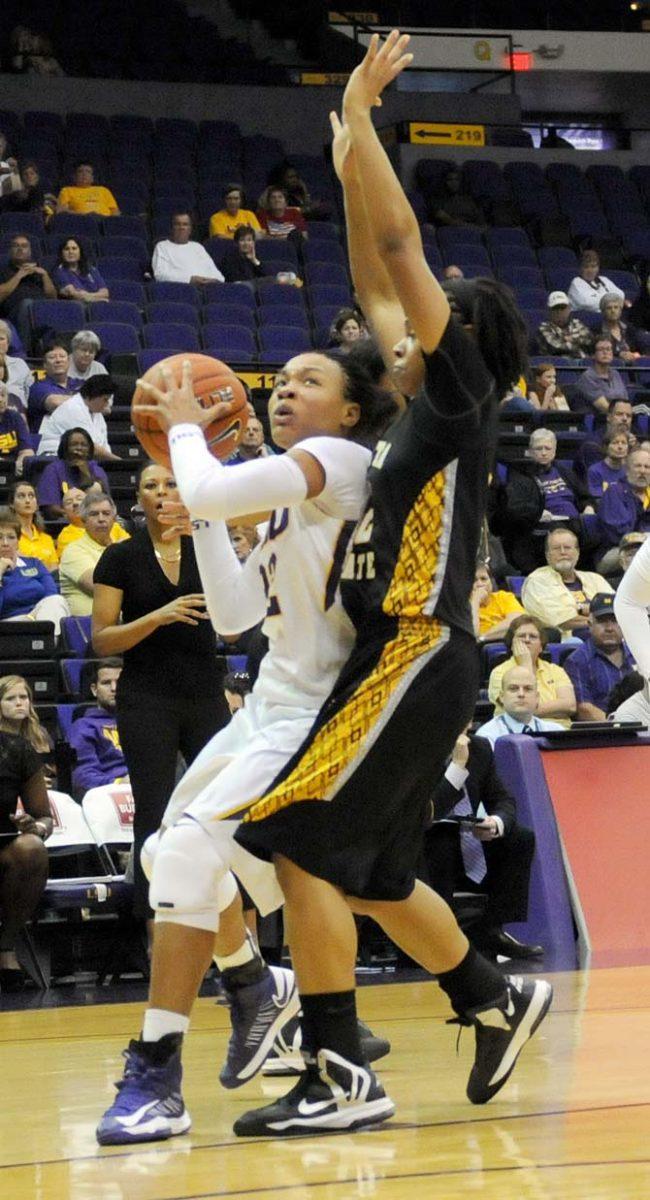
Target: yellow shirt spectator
{"x": 37, "y": 544}
{"x": 498, "y": 607}
{"x": 223, "y": 223}
{"x": 549, "y": 677}
{"x": 72, "y": 533}
{"x": 93, "y": 199}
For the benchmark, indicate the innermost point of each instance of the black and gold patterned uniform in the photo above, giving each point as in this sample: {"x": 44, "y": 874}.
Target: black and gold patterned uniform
{"x": 349, "y": 806}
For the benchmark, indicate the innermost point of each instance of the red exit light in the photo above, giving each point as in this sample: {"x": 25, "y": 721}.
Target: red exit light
{"x": 521, "y": 60}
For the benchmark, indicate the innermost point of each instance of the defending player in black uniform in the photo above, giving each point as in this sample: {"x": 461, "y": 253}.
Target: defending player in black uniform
{"x": 344, "y": 820}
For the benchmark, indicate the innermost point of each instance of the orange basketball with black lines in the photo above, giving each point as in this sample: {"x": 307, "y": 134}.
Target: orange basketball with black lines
{"x": 209, "y": 377}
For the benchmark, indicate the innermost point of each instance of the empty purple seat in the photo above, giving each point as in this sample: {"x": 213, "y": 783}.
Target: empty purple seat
{"x": 558, "y": 258}
{"x": 279, "y": 344}
{"x": 182, "y": 293}
{"x": 149, "y": 358}
{"x": 128, "y": 290}
{"x": 330, "y": 294}
{"x": 130, "y": 227}
{"x": 484, "y": 180}
{"x": 282, "y": 254}
{"x": 67, "y": 224}
{"x": 326, "y": 273}
{"x": 125, "y": 247}
{"x": 30, "y": 223}
{"x": 225, "y": 313}
{"x": 235, "y": 293}
{"x": 323, "y": 231}
{"x": 283, "y": 314}
{"x": 121, "y": 311}
{"x": 120, "y": 268}
{"x": 176, "y": 336}
{"x": 116, "y": 338}
{"x": 229, "y": 342}
{"x": 450, "y": 235}
{"x": 61, "y": 316}
{"x": 506, "y": 236}
{"x": 170, "y": 310}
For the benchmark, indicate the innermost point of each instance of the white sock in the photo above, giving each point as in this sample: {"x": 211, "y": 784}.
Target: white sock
{"x": 246, "y": 953}
{"x": 159, "y": 1021}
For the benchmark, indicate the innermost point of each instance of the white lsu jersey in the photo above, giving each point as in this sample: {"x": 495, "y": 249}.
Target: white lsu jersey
{"x": 300, "y": 562}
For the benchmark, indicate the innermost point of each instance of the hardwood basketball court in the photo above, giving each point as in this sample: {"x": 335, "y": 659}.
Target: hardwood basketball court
{"x": 574, "y": 1120}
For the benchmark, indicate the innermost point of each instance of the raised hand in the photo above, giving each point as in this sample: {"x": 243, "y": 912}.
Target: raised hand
{"x": 175, "y": 516}
{"x": 342, "y": 153}
{"x": 177, "y": 405}
{"x": 383, "y": 62}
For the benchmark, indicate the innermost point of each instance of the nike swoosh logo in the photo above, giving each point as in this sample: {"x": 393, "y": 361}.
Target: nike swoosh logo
{"x": 308, "y": 1108}
{"x": 225, "y": 433}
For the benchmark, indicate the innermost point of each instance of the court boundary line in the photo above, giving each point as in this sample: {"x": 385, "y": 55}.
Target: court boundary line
{"x": 170, "y": 1145}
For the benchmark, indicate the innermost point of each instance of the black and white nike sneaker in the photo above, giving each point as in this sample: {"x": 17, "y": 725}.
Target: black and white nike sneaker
{"x": 336, "y": 1097}
{"x": 285, "y": 1057}
{"x": 502, "y": 1031}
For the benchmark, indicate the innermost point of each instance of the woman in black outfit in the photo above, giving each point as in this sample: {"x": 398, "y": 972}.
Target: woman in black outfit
{"x": 23, "y": 857}
{"x": 170, "y": 695}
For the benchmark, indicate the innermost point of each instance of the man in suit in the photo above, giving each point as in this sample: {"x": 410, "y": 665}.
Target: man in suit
{"x": 492, "y": 857}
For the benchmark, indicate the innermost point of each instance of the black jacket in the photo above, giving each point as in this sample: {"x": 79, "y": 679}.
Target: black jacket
{"x": 483, "y": 787}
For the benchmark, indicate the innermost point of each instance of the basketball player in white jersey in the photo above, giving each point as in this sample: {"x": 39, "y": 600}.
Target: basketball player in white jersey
{"x": 324, "y": 411}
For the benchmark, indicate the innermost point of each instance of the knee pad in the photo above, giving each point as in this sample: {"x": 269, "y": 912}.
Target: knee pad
{"x": 188, "y": 874}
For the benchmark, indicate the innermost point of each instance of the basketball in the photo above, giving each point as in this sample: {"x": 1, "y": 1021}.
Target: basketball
{"x": 209, "y": 376}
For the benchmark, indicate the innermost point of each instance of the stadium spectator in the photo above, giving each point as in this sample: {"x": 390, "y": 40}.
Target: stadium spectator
{"x": 80, "y": 557}
{"x": 243, "y": 539}
{"x": 277, "y": 219}
{"x": 558, "y": 595}
{"x": 621, "y": 335}
{"x": 23, "y": 859}
{"x": 561, "y": 333}
{"x": 178, "y": 259}
{"x": 14, "y": 372}
{"x": 625, "y": 506}
{"x": 611, "y": 468}
{"x": 519, "y": 701}
{"x": 84, "y": 411}
{"x": 494, "y": 611}
{"x": 95, "y": 737}
{"x": 252, "y": 444}
{"x": 84, "y": 348}
{"x": 601, "y": 382}
{"x": 496, "y": 863}
{"x": 73, "y": 276}
{"x": 639, "y": 313}
{"x": 347, "y": 328}
{"x": 627, "y": 548}
{"x": 15, "y": 444}
{"x": 22, "y": 282}
{"x": 232, "y": 216}
{"x": 241, "y": 264}
{"x": 452, "y": 272}
{"x": 515, "y": 401}
{"x": 544, "y": 391}
{"x": 169, "y": 647}
{"x": 32, "y": 53}
{"x": 450, "y": 205}
{"x": 34, "y": 542}
{"x": 600, "y": 662}
{"x": 31, "y": 196}
{"x": 47, "y": 394}
{"x": 236, "y": 686}
{"x": 18, "y": 716}
{"x": 85, "y": 196}
{"x": 27, "y": 589}
{"x": 565, "y": 496}
{"x": 74, "y": 468}
{"x": 9, "y": 174}
{"x": 526, "y": 639}
{"x": 589, "y": 286}
{"x": 620, "y": 415}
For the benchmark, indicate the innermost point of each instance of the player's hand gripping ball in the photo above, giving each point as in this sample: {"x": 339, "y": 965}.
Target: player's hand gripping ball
{"x": 192, "y": 388}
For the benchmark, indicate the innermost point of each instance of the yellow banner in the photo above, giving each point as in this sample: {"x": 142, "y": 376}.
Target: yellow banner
{"x": 261, "y": 380}
{"x": 432, "y": 133}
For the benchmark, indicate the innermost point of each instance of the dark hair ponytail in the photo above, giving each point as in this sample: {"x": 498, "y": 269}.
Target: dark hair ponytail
{"x": 377, "y": 406}
{"x": 500, "y": 332}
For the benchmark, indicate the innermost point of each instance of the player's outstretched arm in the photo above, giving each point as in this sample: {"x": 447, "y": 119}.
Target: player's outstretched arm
{"x": 372, "y": 283}
{"x": 391, "y": 221}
